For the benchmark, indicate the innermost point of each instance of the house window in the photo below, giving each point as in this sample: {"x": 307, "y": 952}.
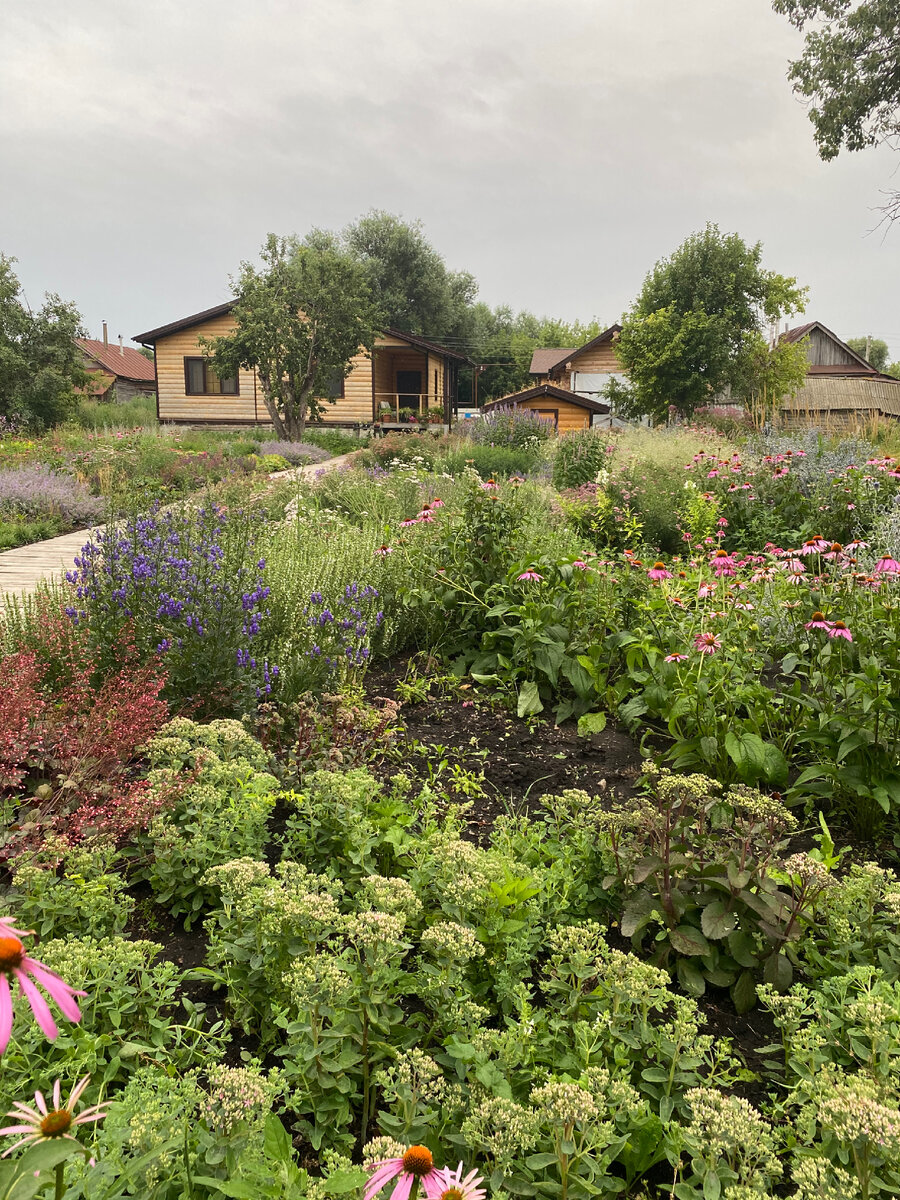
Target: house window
{"x": 335, "y": 387}
{"x": 201, "y": 380}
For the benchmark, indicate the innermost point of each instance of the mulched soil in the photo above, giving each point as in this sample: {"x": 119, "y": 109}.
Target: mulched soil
{"x": 520, "y": 760}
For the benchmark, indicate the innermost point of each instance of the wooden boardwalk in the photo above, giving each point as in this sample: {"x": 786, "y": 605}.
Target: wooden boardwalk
{"x": 21, "y": 570}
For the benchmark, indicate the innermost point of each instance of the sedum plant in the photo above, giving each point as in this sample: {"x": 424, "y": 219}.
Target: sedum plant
{"x": 704, "y": 872}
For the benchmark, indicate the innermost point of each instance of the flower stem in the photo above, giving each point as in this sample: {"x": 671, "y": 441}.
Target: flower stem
{"x": 60, "y": 1189}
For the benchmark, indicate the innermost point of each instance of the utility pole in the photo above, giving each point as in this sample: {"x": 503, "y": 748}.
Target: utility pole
{"x": 868, "y": 345}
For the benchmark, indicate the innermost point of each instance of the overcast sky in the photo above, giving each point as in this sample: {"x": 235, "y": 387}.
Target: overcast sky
{"x": 555, "y": 148}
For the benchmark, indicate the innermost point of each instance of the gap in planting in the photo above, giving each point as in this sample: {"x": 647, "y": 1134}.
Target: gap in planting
{"x": 506, "y": 814}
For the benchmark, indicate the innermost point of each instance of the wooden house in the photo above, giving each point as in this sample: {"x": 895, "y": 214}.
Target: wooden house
{"x": 117, "y": 373}
{"x": 585, "y": 369}
{"x": 566, "y": 409}
{"x": 404, "y": 372}
{"x": 842, "y": 389}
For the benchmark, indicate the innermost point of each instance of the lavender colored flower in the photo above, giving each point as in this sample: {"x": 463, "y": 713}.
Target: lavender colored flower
{"x": 295, "y": 452}
{"x": 35, "y": 491}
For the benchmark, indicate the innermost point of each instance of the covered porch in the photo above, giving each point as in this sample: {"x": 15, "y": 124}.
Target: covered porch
{"x": 411, "y": 385}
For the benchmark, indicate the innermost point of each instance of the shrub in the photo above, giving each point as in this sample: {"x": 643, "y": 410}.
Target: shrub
{"x": 36, "y": 491}
{"x": 220, "y": 812}
{"x": 72, "y": 891}
{"x": 191, "y": 591}
{"x": 296, "y": 453}
{"x": 490, "y": 461}
{"x": 580, "y": 457}
{"x": 417, "y": 448}
{"x": 510, "y": 426}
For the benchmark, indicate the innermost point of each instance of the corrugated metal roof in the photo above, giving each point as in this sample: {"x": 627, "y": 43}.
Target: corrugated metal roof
{"x": 126, "y": 363}
{"x": 823, "y": 393}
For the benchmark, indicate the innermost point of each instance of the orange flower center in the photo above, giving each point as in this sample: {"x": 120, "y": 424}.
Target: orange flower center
{"x": 452, "y": 1193}
{"x": 817, "y": 616}
{"x": 839, "y": 625}
{"x": 418, "y": 1161}
{"x": 659, "y": 566}
{"x": 11, "y": 953}
{"x": 56, "y": 1123}
{"x": 721, "y": 554}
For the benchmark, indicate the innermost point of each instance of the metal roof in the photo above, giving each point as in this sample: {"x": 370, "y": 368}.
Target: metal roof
{"x": 124, "y": 361}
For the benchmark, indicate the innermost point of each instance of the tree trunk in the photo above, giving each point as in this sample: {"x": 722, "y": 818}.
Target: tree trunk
{"x": 272, "y": 407}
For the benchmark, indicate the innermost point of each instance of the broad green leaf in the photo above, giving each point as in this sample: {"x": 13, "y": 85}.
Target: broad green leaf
{"x": 778, "y": 971}
{"x": 530, "y": 702}
{"x": 594, "y": 722}
{"x": 685, "y": 939}
{"x": 743, "y": 994}
{"x": 716, "y": 921}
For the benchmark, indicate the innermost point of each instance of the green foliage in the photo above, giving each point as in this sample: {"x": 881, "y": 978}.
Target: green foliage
{"x": 68, "y": 890}
{"x": 40, "y": 365}
{"x": 416, "y": 293}
{"x": 877, "y": 351}
{"x": 848, "y": 70}
{"x": 220, "y": 812}
{"x": 695, "y": 327}
{"x": 489, "y": 461}
{"x": 580, "y": 457}
{"x": 300, "y": 320}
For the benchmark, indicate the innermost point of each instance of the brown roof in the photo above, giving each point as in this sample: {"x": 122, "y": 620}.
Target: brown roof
{"x": 824, "y": 394}
{"x": 152, "y": 335}
{"x": 126, "y": 363}
{"x": 555, "y": 393}
{"x": 219, "y": 310}
{"x": 861, "y": 365}
{"x": 423, "y": 344}
{"x": 569, "y": 355}
{"x": 545, "y": 358}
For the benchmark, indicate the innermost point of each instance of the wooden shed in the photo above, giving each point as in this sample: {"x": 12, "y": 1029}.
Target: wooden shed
{"x": 587, "y": 369}
{"x": 567, "y": 410}
{"x": 404, "y": 371}
{"x": 842, "y": 388}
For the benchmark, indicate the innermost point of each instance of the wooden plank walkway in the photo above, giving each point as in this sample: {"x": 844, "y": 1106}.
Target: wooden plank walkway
{"x": 21, "y": 570}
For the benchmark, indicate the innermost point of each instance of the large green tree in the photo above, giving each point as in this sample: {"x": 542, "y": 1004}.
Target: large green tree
{"x": 694, "y": 331}
{"x": 40, "y": 365}
{"x": 301, "y": 317}
{"x": 415, "y": 291}
{"x": 849, "y": 72}
{"x": 877, "y": 350}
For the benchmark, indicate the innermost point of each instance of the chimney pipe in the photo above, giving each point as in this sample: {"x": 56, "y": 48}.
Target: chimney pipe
{"x": 121, "y": 347}
{"x": 105, "y": 335}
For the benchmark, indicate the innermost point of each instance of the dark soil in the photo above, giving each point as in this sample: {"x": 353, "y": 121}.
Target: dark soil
{"x": 517, "y": 761}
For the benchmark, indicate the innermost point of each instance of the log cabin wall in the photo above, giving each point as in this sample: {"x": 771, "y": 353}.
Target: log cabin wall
{"x": 568, "y": 416}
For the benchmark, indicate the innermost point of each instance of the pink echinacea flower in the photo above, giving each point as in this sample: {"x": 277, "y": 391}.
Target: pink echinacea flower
{"x": 676, "y": 658}
{"x": 529, "y": 575}
{"x": 840, "y": 630}
{"x": 707, "y": 643}
{"x": 15, "y": 963}
{"x": 456, "y": 1186}
{"x": 887, "y": 566}
{"x": 658, "y": 571}
{"x": 817, "y": 621}
{"x": 415, "y": 1166}
{"x": 40, "y": 1123}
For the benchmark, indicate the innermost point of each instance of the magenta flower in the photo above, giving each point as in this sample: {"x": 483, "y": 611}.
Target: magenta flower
{"x": 409, "y": 521}
{"x": 42, "y": 1122}
{"x": 817, "y": 621}
{"x": 676, "y": 658}
{"x": 887, "y": 566}
{"x": 839, "y": 629}
{"x": 529, "y": 575}
{"x": 794, "y": 570}
{"x": 722, "y": 563}
{"x": 437, "y": 502}
{"x": 415, "y": 1166}
{"x": 455, "y": 1186}
{"x": 707, "y": 643}
{"x": 14, "y": 962}
{"x": 580, "y": 564}
{"x": 658, "y": 571}
{"x": 815, "y": 545}
{"x": 704, "y": 590}
{"x": 384, "y": 551}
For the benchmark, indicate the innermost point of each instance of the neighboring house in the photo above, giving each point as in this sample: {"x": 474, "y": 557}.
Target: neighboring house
{"x": 585, "y": 369}
{"x": 403, "y": 372}
{"x": 117, "y": 372}
{"x": 566, "y": 409}
{"x": 841, "y": 387}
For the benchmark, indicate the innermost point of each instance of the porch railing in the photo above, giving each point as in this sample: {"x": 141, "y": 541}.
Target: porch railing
{"x": 390, "y": 405}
